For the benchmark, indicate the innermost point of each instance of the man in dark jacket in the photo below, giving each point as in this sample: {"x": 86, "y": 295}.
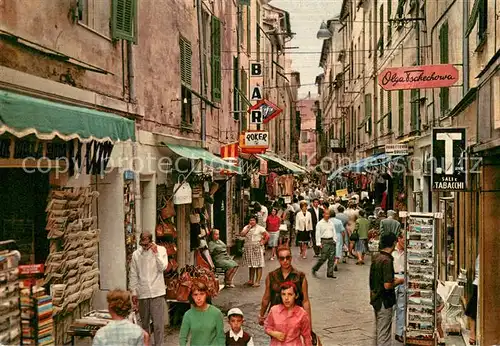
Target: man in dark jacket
{"x": 316, "y": 216}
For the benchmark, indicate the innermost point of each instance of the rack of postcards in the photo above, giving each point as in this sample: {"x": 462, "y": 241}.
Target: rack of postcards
{"x": 420, "y": 279}
{"x": 10, "y": 330}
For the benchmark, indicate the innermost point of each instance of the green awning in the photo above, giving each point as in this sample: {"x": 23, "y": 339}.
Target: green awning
{"x": 24, "y": 115}
{"x": 194, "y": 153}
{"x": 286, "y": 164}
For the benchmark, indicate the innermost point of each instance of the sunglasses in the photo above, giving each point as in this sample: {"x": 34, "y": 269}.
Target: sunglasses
{"x": 283, "y": 258}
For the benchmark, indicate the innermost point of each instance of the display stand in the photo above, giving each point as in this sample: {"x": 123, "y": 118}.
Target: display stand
{"x": 10, "y": 324}
{"x": 420, "y": 280}
{"x": 37, "y": 325}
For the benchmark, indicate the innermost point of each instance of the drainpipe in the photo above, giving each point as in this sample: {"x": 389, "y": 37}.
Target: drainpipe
{"x": 131, "y": 73}
{"x": 432, "y": 55}
{"x": 465, "y": 50}
{"x": 202, "y": 72}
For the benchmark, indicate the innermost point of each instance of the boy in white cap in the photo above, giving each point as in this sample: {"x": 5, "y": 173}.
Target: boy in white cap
{"x": 236, "y": 335}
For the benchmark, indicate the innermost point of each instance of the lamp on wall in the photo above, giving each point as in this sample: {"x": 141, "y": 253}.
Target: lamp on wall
{"x": 323, "y": 33}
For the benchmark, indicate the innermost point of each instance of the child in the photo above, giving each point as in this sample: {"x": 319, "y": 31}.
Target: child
{"x": 236, "y": 335}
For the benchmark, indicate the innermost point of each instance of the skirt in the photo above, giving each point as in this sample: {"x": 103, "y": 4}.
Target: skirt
{"x": 303, "y": 236}
{"x": 253, "y": 255}
{"x": 273, "y": 239}
{"x": 339, "y": 246}
{"x": 361, "y": 246}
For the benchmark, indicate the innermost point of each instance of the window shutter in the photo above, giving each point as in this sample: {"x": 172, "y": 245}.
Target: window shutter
{"x": 389, "y": 114}
{"x": 123, "y": 20}
{"x": 381, "y": 25}
{"x": 249, "y": 31}
{"x": 444, "y": 94}
{"x": 216, "y": 61}
{"x": 471, "y": 23}
{"x": 389, "y": 25}
{"x": 236, "y": 85}
{"x": 186, "y": 53}
{"x": 400, "y": 10}
{"x": 401, "y": 111}
{"x": 368, "y": 113}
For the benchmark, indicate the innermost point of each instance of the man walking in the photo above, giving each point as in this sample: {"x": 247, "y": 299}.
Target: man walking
{"x": 382, "y": 282}
{"x": 399, "y": 273}
{"x": 148, "y": 285}
{"x": 390, "y": 224}
{"x": 316, "y": 216}
{"x": 326, "y": 239}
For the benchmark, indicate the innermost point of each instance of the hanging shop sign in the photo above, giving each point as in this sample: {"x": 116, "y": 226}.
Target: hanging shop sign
{"x": 255, "y": 67}
{"x": 448, "y": 159}
{"x": 396, "y": 149}
{"x": 418, "y": 77}
{"x": 254, "y": 142}
{"x": 256, "y": 93}
{"x": 268, "y": 110}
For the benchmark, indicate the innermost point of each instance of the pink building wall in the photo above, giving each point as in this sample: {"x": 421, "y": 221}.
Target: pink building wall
{"x": 307, "y": 149}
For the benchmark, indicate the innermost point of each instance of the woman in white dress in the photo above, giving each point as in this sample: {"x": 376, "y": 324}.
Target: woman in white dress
{"x": 303, "y": 226}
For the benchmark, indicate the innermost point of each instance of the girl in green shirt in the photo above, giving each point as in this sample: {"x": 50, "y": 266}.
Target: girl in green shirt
{"x": 203, "y": 322}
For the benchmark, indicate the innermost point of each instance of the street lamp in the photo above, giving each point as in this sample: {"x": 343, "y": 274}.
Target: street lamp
{"x": 323, "y": 33}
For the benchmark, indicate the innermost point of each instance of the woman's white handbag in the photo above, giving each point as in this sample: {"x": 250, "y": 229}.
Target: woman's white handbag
{"x": 283, "y": 227}
{"x": 182, "y": 192}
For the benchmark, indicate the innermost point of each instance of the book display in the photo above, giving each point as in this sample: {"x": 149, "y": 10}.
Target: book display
{"x": 10, "y": 330}
{"x": 36, "y": 317}
{"x": 420, "y": 279}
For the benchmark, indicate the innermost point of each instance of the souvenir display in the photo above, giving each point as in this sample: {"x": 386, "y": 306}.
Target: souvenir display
{"x": 420, "y": 279}
{"x": 9, "y": 299}
{"x": 36, "y": 317}
{"x": 129, "y": 222}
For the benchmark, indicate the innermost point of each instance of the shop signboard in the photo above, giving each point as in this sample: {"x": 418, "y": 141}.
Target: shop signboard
{"x": 396, "y": 149}
{"x": 254, "y": 142}
{"x": 268, "y": 111}
{"x": 418, "y": 77}
{"x": 30, "y": 269}
{"x": 448, "y": 159}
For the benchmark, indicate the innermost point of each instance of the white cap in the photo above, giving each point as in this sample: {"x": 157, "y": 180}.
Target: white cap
{"x": 234, "y": 311}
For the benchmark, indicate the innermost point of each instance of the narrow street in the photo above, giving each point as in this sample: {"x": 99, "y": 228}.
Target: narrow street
{"x": 342, "y": 314}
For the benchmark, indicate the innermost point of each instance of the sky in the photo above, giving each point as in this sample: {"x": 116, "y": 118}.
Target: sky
{"x": 306, "y": 17}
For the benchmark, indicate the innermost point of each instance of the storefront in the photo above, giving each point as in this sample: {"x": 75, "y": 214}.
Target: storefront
{"x": 52, "y": 156}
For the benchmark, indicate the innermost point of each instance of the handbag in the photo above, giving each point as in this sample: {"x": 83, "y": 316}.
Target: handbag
{"x": 168, "y": 210}
{"x": 184, "y": 287}
{"x": 354, "y": 236}
{"x": 172, "y": 265}
{"x": 172, "y": 283}
{"x": 194, "y": 217}
{"x": 198, "y": 202}
{"x": 283, "y": 227}
{"x": 197, "y": 191}
{"x": 182, "y": 192}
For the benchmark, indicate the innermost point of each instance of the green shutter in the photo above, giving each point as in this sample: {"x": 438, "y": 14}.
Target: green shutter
{"x": 401, "y": 7}
{"x": 444, "y": 94}
{"x": 216, "y": 60}
{"x": 381, "y": 25}
{"x": 236, "y": 86}
{"x": 414, "y": 109}
{"x": 389, "y": 25}
{"x": 368, "y": 112}
{"x": 471, "y": 23}
{"x": 381, "y": 115}
{"x": 401, "y": 111}
{"x": 186, "y": 54}
{"x": 249, "y": 31}
{"x": 123, "y": 20}
{"x": 257, "y": 33}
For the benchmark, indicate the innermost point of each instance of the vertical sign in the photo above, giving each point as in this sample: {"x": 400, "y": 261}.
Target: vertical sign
{"x": 448, "y": 159}
{"x": 255, "y": 69}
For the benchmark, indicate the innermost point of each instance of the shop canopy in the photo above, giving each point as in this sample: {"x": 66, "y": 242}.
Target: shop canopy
{"x": 364, "y": 164}
{"x": 194, "y": 153}
{"x": 22, "y": 115}
{"x": 288, "y": 165}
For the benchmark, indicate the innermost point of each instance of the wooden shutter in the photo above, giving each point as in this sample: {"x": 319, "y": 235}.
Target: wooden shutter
{"x": 381, "y": 25}
{"x": 236, "y": 85}
{"x": 249, "y": 31}
{"x": 123, "y": 20}
{"x": 186, "y": 54}
{"x": 368, "y": 113}
{"x": 389, "y": 114}
{"x": 216, "y": 60}
{"x": 382, "y": 114}
{"x": 401, "y": 111}
{"x": 444, "y": 94}
{"x": 389, "y": 23}
{"x": 471, "y": 23}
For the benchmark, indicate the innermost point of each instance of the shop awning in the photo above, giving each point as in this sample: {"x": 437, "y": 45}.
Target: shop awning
{"x": 290, "y": 166}
{"x": 22, "y": 115}
{"x": 363, "y": 164}
{"x": 194, "y": 153}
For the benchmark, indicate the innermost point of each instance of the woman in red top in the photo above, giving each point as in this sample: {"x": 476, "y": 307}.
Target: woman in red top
{"x": 273, "y": 228}
{"x": 287, "y": 322}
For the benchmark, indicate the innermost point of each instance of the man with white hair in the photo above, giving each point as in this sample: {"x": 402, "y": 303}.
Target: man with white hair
{"x": 390, "y": 224}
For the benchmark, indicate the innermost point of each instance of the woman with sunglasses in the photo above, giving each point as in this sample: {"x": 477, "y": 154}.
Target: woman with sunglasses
{"x": 287, "y": 323}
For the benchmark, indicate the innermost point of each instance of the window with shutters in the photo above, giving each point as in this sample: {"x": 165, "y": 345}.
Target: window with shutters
{"x": 381, "y": 33}
{"x": 216, "y": 60}
{"x": 236, "y": 86}
{"x": 368, "y": 113}
{"x": 483, "y": 22}
{"x": 382, "y": 110}
{"x": 244, "y": 92}
{"x": 370, "y": 33}
{"x": 186, "y": 79}
{"x": 95, "y": 15}
{"x": 415, "y": 109}
{"x": 444, "y": 94}
{"x": 389, "y": 23}
{"x": 123, "y": 20}
{"x": 401, "y": 112}
{"x": 206, "y": 32}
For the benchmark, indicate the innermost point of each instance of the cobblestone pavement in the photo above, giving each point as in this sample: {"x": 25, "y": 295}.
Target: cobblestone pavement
{"x": 341, "y": 311}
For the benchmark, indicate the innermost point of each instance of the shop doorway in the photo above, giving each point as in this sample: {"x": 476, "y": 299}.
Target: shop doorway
{"x": 219, "y": 210}
{"x": 23, "y": 198}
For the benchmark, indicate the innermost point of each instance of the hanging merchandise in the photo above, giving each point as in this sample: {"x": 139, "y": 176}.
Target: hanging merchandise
{"x": 168, "y": 210}
{"x": 10, "y": 332}
{"x": 129, "y": 222}
{"x": 198, "y": 202}
{"x": 197, "y": 191}
{"x": 182, "y": 192}
{"x": 420, "y": 280}
{"x": 194, "y": 217}
{"x": 254, "y": 181}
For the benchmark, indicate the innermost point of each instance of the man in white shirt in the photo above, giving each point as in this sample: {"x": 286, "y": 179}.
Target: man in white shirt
{"x": 148, "y": 285}
{"x": 326, "y": 240}
{"x": 399, "y": 273}
{"x": 265, "y": 212}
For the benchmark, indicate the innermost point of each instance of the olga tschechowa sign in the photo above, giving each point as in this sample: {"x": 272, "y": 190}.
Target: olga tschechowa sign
{"x": 448, "y": 161}
{"x": 418, "y": 77}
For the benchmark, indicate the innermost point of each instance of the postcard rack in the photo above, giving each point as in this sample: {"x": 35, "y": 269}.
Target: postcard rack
{"x": 420, "y": 280}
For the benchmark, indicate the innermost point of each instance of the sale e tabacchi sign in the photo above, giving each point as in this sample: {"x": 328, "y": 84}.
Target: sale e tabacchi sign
{"x": 418, "y": 77}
